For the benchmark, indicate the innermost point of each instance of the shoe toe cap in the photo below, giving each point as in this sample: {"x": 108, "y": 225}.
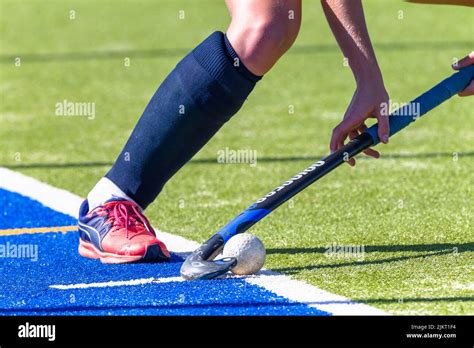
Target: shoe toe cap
{"x": 143, "y": 246}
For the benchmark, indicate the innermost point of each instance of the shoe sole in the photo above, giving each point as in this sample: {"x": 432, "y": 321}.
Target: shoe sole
{"x": 153, "y": 253}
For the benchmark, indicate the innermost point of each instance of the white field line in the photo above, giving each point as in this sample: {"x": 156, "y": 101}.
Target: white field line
{"x": 60, "y": 200}
{"x": 117, "y": 283}
{"x": 294, "y": 290}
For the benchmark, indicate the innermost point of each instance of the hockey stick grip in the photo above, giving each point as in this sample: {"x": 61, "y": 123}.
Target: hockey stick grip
{"x": 408, "y": 113}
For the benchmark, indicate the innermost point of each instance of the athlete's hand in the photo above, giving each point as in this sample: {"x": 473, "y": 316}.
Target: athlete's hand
{"x": 466, "y": 61}
{"x": 367, "y": 102}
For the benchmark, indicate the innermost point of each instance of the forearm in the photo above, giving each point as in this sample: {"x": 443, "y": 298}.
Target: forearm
{"x": 347, "y": 22}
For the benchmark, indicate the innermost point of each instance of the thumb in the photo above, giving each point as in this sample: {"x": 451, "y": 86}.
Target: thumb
{"x": 469, "y": 90}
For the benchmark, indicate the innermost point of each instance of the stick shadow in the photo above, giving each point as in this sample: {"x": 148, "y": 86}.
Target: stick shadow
{"x": 270, "y": 159}
{"x": 426, "y": 250}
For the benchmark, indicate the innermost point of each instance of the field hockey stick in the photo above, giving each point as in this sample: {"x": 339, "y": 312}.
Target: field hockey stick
{"x": 200, "y": 264}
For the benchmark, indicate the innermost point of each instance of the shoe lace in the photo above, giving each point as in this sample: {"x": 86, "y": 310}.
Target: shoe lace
{"x": 126, "y": 215}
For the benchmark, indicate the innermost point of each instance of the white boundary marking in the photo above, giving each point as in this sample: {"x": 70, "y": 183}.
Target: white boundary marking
{"x": 282, "y": 285}
{"x": 117, "y": 283}
{"x": 57, "y": 199}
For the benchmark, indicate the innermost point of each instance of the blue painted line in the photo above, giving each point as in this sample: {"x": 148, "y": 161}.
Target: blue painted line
{"x": 26, "y": 283}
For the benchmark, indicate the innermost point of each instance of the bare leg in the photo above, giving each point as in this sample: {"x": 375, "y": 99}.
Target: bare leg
{"x": 261, "y": 31}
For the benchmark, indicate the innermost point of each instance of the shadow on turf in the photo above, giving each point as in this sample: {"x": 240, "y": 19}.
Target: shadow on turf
{"x": 178, "y": 52}
{"x": 415, "y": 299}
{"x": 214, "y": 160}
{"x": 382, "y": 248}
{"x": 432, "y": 249}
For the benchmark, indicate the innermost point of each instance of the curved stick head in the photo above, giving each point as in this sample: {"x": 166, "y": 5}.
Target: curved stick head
{"x": 201, "y": 264}
{"x": 196, "y": 267}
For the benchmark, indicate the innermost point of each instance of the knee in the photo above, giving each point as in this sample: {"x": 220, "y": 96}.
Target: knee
{"x": 271, "y": 36}
{"x": 260, "y": 42}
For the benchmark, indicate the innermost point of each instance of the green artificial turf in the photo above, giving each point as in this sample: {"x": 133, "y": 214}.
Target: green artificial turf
{"x": 411, "y": 211}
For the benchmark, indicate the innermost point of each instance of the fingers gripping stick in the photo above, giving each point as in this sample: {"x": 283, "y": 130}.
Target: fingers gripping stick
{"x": 425, "y": 102}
